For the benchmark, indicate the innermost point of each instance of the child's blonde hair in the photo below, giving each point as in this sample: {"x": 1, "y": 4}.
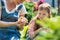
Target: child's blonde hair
{"x": 45, "y": 6}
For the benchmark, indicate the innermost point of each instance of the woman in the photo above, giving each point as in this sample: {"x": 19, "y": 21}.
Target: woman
{"x": 11, "y": 11}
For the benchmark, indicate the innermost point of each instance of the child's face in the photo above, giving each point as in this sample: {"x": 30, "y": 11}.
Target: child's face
{"x": 42, "y": 14}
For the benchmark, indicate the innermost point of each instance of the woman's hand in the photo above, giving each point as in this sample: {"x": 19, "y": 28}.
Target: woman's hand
{"x": 21, "y": 22}
{"x": 19, "y": 25}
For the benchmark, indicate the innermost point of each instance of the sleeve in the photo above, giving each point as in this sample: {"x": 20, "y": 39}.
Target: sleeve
{"x": 23, "y": 10}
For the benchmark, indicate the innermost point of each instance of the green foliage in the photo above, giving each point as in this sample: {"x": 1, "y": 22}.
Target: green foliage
{"x": 52, "y": 23}
{"x": 58, "y": 10}
{"x": 39, "y": 38}
{"x": 24, "y": 31}
{"x": 54, "y": 11}
{"x": 29, "y": 7}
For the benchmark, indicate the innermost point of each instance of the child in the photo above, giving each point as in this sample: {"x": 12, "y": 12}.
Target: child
{"x": 43, "y": 11}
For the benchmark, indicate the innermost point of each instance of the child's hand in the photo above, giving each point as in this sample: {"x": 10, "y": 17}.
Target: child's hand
{"x": 47, "y": 29}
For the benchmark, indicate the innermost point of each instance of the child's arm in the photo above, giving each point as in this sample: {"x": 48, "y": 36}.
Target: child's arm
{"x": 47, "y": 29}
{"x": 37, "y": 31}
{"x": 31, "y": 31}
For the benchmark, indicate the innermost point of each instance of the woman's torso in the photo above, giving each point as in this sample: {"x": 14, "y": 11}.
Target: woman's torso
{"x": 12, "y": 31}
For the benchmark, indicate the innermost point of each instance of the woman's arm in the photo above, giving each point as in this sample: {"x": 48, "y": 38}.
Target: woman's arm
{"x": 7, "y": 24}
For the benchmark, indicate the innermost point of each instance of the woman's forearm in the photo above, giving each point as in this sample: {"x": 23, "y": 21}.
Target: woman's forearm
{"x": 7, "y": 24}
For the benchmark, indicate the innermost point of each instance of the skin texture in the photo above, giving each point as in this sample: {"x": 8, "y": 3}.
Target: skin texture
{"x": 7, "y": 24}
{"x": 20, "y": 24}
{"x": 18, "y": 1}
{"x": 11, "y": 4}
{"x": 42, "y": 14}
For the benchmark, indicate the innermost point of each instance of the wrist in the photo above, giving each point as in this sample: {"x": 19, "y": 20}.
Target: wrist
{"x": 14, "y": 23}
